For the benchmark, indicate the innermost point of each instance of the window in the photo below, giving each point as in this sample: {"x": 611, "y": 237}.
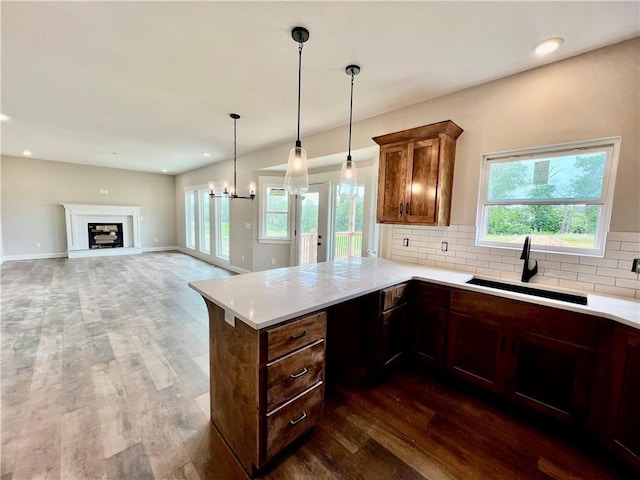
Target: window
{"x": 190, "y": 218}
{"x": 560, "y": 195}
{"x": 204, "y": 221}
{"x": 222, "y": 225}
{"x": 274, "y": 213}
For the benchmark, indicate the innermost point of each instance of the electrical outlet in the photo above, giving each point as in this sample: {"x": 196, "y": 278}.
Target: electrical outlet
{"x": 444, "y": 246}
{"x": 273, "y": 261}
{"x": 635, "y": 267}
{"x": 405, "y": 242}
{"x": 156, "y": 240}
{"x": 247, "y": 226}
{"x": 37, "y": 244}
{"x": 242, "y": 258}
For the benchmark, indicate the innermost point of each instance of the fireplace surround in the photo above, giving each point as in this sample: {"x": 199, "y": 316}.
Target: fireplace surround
{"x": 79, "y": 216}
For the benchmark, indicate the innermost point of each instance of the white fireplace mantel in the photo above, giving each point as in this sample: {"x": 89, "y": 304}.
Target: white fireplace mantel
{"x": 78, "y": 216}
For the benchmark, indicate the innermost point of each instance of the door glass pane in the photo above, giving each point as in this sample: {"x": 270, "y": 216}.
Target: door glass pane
{"x": 205, "y": 219}
{"x": 222, "y": 228}
{"x": 190, "y": 219}
{"x": 308, "y": 235}
{"x": 348, "y": 225}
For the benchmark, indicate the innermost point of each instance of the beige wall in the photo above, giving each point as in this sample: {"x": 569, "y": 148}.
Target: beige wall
{"x": 589, "y": 96}
{"x": 33, "y": 191}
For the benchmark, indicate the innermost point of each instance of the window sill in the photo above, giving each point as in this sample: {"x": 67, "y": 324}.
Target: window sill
{"x": 277, "y": 241}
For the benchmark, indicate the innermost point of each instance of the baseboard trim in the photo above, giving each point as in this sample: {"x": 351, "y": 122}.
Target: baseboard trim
{"x": 194, "y": 254}
{"x": 33, "y": 256}
{"x": 104, "y": 252}
{"x": 159, "y": 249}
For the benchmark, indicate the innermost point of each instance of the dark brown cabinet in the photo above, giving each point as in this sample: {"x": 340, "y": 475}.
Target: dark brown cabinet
{"x": 390, "y": 333}
{"x": 538, "y": 356}
{"x": 415, "y": 175}
{"x": 428, "y": 326}
{"x": 623, "y": 419}
{"x": 475, "y": 350}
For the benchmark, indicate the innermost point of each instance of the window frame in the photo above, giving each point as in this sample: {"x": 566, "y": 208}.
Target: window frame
{"x": 265, "y": 183}
{"x": 611, "y": 145}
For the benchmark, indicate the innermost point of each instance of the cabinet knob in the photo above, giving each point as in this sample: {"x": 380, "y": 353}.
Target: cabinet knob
{"x": 400, "y": 210}
{"x": 406, "y": 208}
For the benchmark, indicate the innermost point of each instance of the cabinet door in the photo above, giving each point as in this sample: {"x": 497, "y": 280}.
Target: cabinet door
{"x": 422, "y": 182}
{"x": 428, "y": 327}
{"x": 391, "y": 183}
{"x": 475, "y": 349}
{"x": 393, "y": 341}
{"x": 549, "y": 375}
{"x": 625, "y": 396}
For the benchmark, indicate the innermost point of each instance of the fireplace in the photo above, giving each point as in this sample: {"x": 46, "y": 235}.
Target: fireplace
{"x": 105, "y": 235}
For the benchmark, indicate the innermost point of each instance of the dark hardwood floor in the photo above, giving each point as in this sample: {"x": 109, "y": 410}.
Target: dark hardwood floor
{"x": 104, "y": 375}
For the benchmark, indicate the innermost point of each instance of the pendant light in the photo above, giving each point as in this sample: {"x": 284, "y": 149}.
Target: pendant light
{"x": 348, "y": 186}
{"x": 296, "y": 180}
{"x": 233, "y": 193}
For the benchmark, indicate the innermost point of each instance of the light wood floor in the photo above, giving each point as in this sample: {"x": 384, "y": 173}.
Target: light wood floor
{"x": 104, "y": 375}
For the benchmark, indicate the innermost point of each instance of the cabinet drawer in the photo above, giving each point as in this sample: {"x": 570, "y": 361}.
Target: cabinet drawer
{"x": 303, "y": 331}
{"x": 431, "y": 295}
{"x": 287, "y": 423}
{"x": 294, "y": 373}
{"x": 394, "y": 296}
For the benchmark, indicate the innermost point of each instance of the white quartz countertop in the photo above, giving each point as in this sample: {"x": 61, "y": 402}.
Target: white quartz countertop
{"x": 263, "y": 299}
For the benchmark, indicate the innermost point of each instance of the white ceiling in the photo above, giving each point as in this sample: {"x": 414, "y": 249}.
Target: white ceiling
{"x": 149, "y": 85}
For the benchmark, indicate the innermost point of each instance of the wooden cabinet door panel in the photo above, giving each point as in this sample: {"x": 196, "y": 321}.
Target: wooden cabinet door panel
{"x": 428, "y": 334}
{"x": 549, "y": 375}
{"x": 394, "y": 336}
{"x": 626, "y": 398}
{"x": 422, "y": 182}
{"x": 391, "y": 181}
{"x": 474, "y": 350}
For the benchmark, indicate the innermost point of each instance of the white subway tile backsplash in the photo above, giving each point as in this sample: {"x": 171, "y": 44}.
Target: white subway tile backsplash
{"x": 610, "y": 275}
{"x": 599, "y": 279}
{"x": 570, "y": 267}
{"x": 599, "y": 262}
{"x": 621, "y": 292}
{"x": 560, "y": 274}
{"x": 612, "y": 245}
{"x": 624, "y": 236}
{"x": 630, "y": 246}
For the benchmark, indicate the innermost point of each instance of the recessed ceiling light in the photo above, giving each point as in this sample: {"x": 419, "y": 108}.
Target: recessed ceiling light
{"x": 27, "y": 153}
{"x": 205, "y": 154}
{"x": 4, "y": 118}
{"x": 549, "y": 45}
{"x": 164, "y": 170}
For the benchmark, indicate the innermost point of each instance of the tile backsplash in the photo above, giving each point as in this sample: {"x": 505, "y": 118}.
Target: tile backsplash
{"x": 610, "y": 275}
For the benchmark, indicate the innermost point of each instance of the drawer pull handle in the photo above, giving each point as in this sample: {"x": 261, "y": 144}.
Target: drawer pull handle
{"x": 299, "y": 374}
{"x": 400, "y": 210}
{"x": 296, "y": 337}
{"x": 298, "y": 420}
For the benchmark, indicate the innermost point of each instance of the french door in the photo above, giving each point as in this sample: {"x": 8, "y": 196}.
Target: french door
{"x": 311, "y": 225}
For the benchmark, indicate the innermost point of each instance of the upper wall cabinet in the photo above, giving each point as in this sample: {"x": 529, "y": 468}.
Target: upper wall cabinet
{"x": 416, "y": 174}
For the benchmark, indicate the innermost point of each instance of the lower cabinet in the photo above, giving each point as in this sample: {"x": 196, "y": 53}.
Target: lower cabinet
{"x": 266, "y": 386}
{"x": 390, "y": 331}
{"x": 623, "y": 428}
{"x": 428, "y": 324}
{"x": 540, "y": 357}
{"x": 475, "y": 350}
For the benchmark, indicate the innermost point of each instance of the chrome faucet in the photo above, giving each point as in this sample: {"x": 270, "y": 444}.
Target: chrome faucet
{"x": 527, "y": 273}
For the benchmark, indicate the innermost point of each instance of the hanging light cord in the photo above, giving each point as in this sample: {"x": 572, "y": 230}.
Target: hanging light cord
{"x": 299, "y": 88}
{"x": 350, "y": 118}
{"x": 235, "y": 192}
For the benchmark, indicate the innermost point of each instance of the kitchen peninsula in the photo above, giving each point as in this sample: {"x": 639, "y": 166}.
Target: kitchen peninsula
{"x": 269, "y": 338}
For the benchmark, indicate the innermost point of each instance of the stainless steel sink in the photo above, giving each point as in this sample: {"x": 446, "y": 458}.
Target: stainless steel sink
{"x": 562, "y": 296}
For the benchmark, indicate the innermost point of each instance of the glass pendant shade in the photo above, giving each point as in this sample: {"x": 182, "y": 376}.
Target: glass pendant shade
{"x": 296, "y": 180}
{"x": 348, "y": 179}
